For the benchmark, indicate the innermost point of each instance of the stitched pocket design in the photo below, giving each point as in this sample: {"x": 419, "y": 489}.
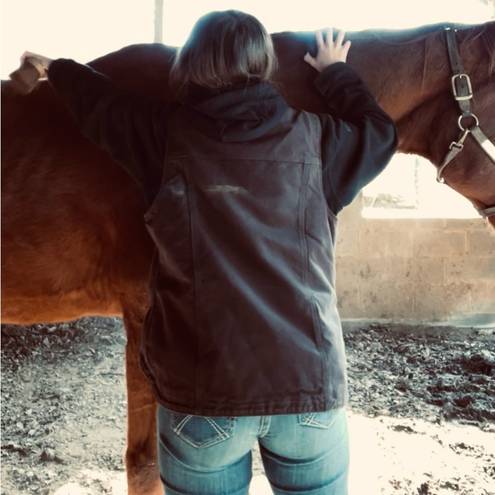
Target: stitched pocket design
{"x": 202, "y": 431}
{"x": 321, "y": 419}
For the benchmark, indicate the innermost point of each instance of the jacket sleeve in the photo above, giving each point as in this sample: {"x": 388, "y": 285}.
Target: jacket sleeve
{"x": 130, "y": 127}
{"x": 358, "y": 137}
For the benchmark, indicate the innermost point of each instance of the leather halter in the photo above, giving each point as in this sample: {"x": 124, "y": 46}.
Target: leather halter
{"x": 468, "y": 122}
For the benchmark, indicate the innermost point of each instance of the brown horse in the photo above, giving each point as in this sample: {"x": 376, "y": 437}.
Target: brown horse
{"x": 74, "y": 242}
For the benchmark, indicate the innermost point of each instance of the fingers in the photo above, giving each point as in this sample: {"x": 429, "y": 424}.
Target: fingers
{"x": 320, "y": 43}
{"x": 340, "y": 38}
{"x": 329, "y": 33}
{"x": 329, "y": 51}
{"x": 346, "y": 47}
{"x": 328, "y": 41}
{"x": 27, "y": 54}
{"x": 310, "y": 60}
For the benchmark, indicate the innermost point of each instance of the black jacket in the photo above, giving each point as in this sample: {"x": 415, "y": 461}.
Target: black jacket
{"x": 243, "y": 195}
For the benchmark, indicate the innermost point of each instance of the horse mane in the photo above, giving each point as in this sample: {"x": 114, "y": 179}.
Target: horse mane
{"x": 485, "y": 32}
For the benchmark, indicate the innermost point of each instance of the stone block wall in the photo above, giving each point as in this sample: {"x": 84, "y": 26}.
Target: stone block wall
{"x": 414, "y": 269}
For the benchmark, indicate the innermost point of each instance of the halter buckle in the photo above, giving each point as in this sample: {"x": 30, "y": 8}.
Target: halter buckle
{"x": 457, "y": 87}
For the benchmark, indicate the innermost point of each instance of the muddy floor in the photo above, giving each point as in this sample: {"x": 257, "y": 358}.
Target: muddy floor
{"x": 421, "y": 415}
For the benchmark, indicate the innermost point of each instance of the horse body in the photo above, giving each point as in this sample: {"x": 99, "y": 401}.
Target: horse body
{"x": 74, "y": 242}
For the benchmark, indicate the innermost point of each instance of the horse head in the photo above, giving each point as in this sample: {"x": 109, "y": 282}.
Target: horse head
{"x": 439, "y": 130}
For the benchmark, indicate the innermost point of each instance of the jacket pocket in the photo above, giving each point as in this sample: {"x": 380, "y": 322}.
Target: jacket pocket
{"x": 173, "y": 186}
{"x": 168, "y": 221}
{"x": 318, "y": 331}
{"x": 319, "y": 236}
{"x": 316, "y": 218}
{"x": 166, "y": 347}
{"x": 201, "y": 431}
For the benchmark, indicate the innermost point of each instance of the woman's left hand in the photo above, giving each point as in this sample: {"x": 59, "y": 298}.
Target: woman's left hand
{"x": 39, "y": 61}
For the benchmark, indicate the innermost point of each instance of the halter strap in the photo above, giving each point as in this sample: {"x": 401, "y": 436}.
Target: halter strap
{"x": 461, "y": 83}
{"x": 486, "y": 212}
{"x": 463, "y": 94}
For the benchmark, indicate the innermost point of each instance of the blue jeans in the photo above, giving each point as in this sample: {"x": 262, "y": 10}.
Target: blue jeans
{"x": 305, "y": 453}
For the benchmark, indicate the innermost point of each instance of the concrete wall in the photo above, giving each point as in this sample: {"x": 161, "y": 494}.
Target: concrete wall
{"x": 415, "y": 269}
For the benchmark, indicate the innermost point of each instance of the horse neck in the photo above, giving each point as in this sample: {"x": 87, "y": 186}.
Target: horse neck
{"x": 405, "y": 75}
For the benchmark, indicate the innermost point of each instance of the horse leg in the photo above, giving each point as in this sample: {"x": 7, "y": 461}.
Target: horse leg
{"x": 141, "y": 453}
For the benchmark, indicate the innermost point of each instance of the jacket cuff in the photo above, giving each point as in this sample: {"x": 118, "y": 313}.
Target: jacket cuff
{"x": 57, "y": 69}
{"x": 329, "y": 75}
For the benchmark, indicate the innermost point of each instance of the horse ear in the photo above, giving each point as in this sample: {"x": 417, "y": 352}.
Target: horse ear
{"x": 25, "y": 78}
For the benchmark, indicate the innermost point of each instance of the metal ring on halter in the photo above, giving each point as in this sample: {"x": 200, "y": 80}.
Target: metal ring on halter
{"x": 468, "y": 116}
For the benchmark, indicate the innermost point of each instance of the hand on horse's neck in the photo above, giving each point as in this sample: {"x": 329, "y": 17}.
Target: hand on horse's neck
{"x": 404, "y": 69}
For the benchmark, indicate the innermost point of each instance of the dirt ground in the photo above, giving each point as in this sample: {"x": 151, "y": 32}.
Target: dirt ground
{"x": 421, "y": 414}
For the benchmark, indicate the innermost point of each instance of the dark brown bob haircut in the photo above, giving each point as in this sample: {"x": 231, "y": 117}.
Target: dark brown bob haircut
{"x": 224, "y": 48}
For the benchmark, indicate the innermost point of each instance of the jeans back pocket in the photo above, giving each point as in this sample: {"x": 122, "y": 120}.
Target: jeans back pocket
{"x": 320, "y": 419}
{"x": 202, "y": 431}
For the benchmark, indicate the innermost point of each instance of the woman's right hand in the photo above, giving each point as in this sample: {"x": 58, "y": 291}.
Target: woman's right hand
{"x": 329, "y": 51}
{"x": 39, "y": 61}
